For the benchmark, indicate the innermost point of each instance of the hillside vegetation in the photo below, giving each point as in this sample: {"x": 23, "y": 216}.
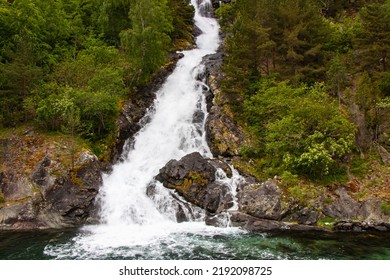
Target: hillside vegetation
{"x": 310, "y": 82}
{"x": 67, "y": 65}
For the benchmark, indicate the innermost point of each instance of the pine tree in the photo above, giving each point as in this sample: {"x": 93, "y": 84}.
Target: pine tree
{"x": 373, "y": 41}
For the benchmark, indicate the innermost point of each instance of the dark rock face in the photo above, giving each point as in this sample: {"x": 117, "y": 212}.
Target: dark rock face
{"x": 224, "y": 136}
{"x": 193, "y": 177}
{"x": 360, "y": 226}
{"x": 44, "y": 200}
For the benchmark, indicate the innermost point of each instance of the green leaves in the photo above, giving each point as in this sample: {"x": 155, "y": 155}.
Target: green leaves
{"x": 147, "y": 42}
{"x": 302, "y": 130}
{"x": 91, "y": 113}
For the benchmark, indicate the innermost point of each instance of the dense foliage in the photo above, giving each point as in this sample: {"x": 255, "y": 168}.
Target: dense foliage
{"x": 67, "y": 64}
{"x": 310, "y": 80}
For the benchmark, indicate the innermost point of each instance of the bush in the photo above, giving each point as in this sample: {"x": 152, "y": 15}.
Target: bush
{"x": 91, "y": 113}
{"x": 301, "y": 128}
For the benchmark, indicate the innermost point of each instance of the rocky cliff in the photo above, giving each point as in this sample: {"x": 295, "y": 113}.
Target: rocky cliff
{"x": 39, "y": 188}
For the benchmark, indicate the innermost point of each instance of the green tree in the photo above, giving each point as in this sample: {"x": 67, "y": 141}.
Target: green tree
{"x": 300, "y": 130}
{"x": 182, "y": 22}
{"x": 373, "y": 41}
{"x": 337, "y": 76}
{"x": 112, "y": 17}
{"x": 147, "y": 42}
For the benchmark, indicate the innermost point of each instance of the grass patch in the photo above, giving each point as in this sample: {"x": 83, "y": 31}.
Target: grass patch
{"x": 359, "y": 166}
{"x": 2, "y": 199}
{"x": 327, "y": 222}
{"x": 385, "y": 208}
{"x": 289, "y": 179}
{"x": 304, "y": 193}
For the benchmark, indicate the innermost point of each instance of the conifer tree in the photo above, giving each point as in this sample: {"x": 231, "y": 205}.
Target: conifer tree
{"x": 373, "y": 42}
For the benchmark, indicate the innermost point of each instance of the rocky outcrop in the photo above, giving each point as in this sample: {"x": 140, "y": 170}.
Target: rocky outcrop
{"x": 48, "y": 198}
{"x": 264, "y": 206}
{"x": 263, "y": 201}
{"x": 254, "y": 224}
{"x": 194, "y": 178}
{"x": 224, "y": 136}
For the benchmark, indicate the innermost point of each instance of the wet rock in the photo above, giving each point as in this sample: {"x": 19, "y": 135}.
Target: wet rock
{"x": 173, "y": 204}
{"x": 220, "y": 164}
{"x": 360, "y": 226}
{"x": 192, "y": 168}
{"x": 194, "y": 178}
{"x": 218, "y": 220}
{"x": 262, "y": 201}
{"x": 254, "y": 224}
{"x": 308, "y": 216}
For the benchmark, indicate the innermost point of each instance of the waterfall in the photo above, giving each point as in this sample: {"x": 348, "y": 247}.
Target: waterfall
{"x": 174, "y": 127}
{"x": 170, "y": 134}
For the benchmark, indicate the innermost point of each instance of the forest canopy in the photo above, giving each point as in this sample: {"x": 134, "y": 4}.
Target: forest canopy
{"x": 65, "y": 61}
{"x": 309, "y": 80}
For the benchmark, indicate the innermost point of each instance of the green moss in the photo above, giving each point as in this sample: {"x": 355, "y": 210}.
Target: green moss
{"x": 289, "y": 179}
{"x": 192, "y": 178}
{"x": 2, "y": 199}
{"x": 359, "y": 166}
{"x": 181, "y": 44}
{"x": 385, "y": 208}
{"x": 305, "y": 194}
{"x": 327, "y": 222}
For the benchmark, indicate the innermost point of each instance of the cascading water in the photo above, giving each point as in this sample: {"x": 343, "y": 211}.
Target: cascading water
{"x": 170, "y": 134}
{"x": 175, "y": 128}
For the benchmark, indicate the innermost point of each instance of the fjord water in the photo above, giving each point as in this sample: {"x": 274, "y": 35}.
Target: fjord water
{"x": 134, "y": 226}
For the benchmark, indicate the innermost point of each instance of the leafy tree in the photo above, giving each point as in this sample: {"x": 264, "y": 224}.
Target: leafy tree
{"x": 98, "y": 112}
{"x": 147, "y": 42}
{"x": 300, "y": 129}
{"x": 337, "y": 76}
{"x": 111, "y": 18}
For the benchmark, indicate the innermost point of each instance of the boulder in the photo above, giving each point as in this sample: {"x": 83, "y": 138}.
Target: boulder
{"x": 262, "y": 201}
{"x": 194, "y": 178}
